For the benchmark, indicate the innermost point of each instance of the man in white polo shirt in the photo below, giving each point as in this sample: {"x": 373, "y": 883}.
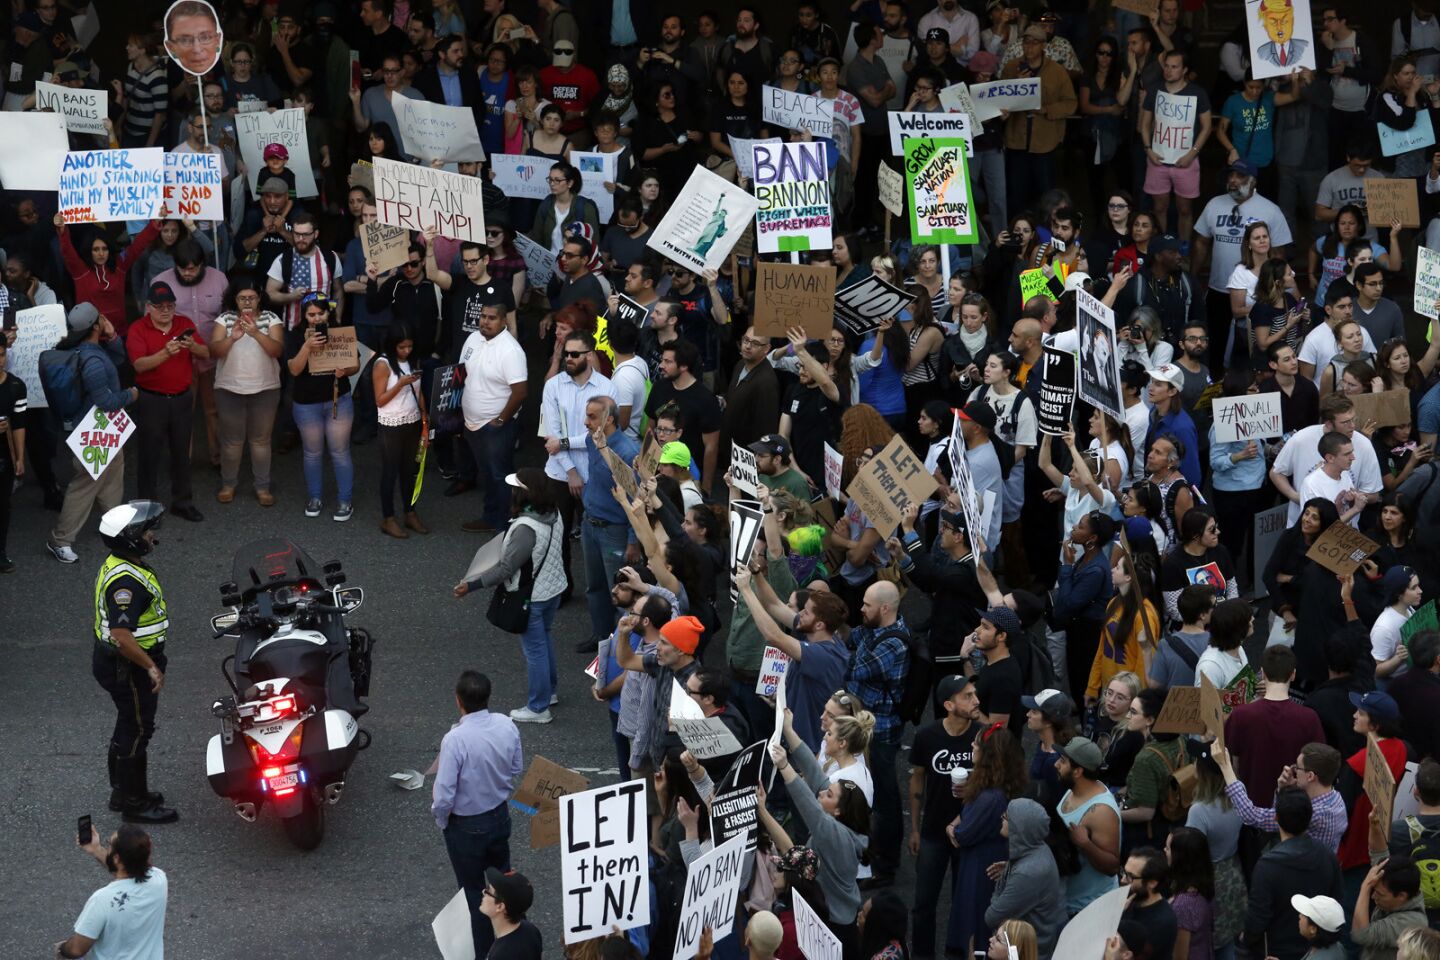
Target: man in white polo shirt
{"x": 495, "y": 387}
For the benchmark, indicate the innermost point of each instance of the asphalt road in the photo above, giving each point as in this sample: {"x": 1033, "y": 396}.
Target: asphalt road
{"x": 239, "y": 890}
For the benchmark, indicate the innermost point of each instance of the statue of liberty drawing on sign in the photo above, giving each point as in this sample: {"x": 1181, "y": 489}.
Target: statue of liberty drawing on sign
{"x": 713, "y": 231}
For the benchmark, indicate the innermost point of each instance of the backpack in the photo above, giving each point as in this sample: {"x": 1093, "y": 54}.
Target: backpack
{"x": 1005, "y": 449}
{"x": 1038, "y": 668}
{"x": 62, "y": 378}
{"x": 1425, "y": 851}
{"x": 1062, "y": 848}
{"x": 1175, "y": 801}
{"x": 916, "y": 703}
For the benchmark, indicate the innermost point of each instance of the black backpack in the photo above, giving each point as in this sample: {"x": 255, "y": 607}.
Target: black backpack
{"x": 916, "y": 706}
{"x": 1005, "y": 449}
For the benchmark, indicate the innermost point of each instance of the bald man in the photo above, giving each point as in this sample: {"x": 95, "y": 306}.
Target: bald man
{"x": 876, "y": 674}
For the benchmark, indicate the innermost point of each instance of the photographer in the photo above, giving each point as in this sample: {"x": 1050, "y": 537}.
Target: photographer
{"x": 1140, "y": 340}
{"x": 126, "y": 917}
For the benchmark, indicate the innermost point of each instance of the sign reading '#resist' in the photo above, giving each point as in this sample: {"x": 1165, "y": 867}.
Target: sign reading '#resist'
{"x": 418, "y": 198}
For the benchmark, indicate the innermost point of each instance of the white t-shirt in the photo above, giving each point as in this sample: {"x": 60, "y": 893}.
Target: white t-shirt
{"x": 1317, "y": 483}
{"x": 1224, "y": 222}
{"x": 631, "y": 380}
{"x": 1137, "y": 418}
{"x": 1242, "y": 279}
{"x": 1301, "y": 454}
{"x": 1116, "y": 452}
{"x": 126, "y": 919}
{"x": 1320, "y": 348}
{"x": 491, "y": 367}
{"x": 1385, "y": 635}
{"x": 1220, "y": 666}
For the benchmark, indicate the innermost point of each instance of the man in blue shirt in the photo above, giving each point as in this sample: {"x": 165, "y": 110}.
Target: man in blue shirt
{"x": 1169, "y": 416}
{"x": 605, "y": 534}
{"x": 480, "y": 761}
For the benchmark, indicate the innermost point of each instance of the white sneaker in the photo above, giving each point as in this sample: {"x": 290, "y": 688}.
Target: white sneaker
{"x": 62, "y": 553}
{"x": 554, "y": 699}
{"x": 526, "y": 715}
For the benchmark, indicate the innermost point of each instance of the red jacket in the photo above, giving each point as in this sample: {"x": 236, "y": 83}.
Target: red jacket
{"x": 105, "y": 286}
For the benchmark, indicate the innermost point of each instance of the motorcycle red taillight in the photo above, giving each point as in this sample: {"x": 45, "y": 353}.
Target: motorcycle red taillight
{"x": 289, "y": 750}
{"x": 283, "y": 705}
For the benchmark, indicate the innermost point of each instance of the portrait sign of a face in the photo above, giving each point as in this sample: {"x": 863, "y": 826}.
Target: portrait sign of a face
{"x": 192, "y": 36}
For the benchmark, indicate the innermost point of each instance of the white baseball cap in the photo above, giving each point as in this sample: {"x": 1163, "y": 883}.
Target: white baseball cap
{"x": 1324, "y": 912}
{"x": 1169, "y": 373}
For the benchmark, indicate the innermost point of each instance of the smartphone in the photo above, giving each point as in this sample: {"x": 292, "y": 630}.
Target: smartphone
{"x": 323, "y": 330}
{"x": 184, "y": 336}
{"x": 516, "y": 33}
{"x": 83, "y": 831}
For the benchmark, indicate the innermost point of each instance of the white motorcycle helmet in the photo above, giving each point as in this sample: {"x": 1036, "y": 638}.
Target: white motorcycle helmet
{"x": 123, "y": 527}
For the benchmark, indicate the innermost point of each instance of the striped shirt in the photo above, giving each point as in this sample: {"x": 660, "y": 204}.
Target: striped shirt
{"x": 1327, "y": 824}
{"x": 147, "y": 96}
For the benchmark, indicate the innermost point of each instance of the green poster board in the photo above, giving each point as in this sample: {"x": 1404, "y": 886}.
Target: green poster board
{"x": 937, "y": 185}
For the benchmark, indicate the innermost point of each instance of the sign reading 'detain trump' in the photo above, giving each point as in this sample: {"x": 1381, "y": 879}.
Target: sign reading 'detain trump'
{"x": 864, "y": 304}
{"x": 798, "y": 111}
{"x": 793, "y": 189}
{"x": 418, "y": 198}
{"x": 930, "y": 126}
{"x": 100, "y": 186}
{"x": 604, "y": 860}
{"x": 1250, "y": 417}
{"x": 937, "y": 184}
{"x": 794, "y": 295}
{"x": 892, "y": 479}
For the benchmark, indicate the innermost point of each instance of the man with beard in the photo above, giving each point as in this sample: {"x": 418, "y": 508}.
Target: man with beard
{"x": 1090, "y": 812}
{"x": 748, "y": 53}
{"x": 702, "y": 316}
{"x": 661, "y": 334}
{"x": 128, "y": 913}
{"x": 606, "y": 536}
{"x": 448, "y": 81}
{"x": 624, "y": 241}
{"x": 376, "y": 105}
{"x": 701, "y": 411}
{"x": 1164, "y": 287}
{"x": 674, "y": 63}
{"x": 294, "y": 62}
{"x": 998, "y": 683}
{"x": 303, "y": 267}
{"x": 1194, "y": 375}
{"x": 265, "y": 232}
{"x": 639, "y": 283}
{"x": 199, "y": 292}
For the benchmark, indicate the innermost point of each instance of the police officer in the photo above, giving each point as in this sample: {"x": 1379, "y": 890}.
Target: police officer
{"x": 131, "y": 622}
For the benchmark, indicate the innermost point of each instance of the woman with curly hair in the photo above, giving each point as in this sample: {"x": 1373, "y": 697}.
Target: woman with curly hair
{"x": 861, "y": 427}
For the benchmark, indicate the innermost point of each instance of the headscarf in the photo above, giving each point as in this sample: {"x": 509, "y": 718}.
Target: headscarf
{"x": 618, "y": 104}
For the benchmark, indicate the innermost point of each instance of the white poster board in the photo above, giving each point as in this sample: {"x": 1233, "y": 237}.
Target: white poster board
{"x": 256, "y": 131}
{"x": 521, "y": 176}
{"x": 813, "y": 936}
{"x": 893, "y": 52}
{"x": 101, "y": 186}
{"x": 956, "y": 99}
{"x": 1427, "y": 283}
{"x": 743, "y": 471}
{"x": 1173, "y": 133}
{"x": 798, "y": 111}
{"x": 704, "y": 222}
{"x": 1084, "y": 937}
{"x": 706, "y": 738}
{"x": 834, "y": 471}
{"x": 1098, "y": 378}
{"x": 596, "y": 169}
{"x": 604, "y": 860}
{"x": 194, "y": 188}
{"x": 83, "y": 110}
{"x": 435, "y": 131}
{"x": 793, "y": 190}
{"x": 773, "y": 664}
{"x": 1281, "y": 37}
{"x": 539, "y": 262}
{"x": 37, "y": 167}
{"x": 712, "y": 885}
{"x": 743, "y": 150}
{"x": 891, "y": 184}
{"x": 418, "y": 198}
{"x": 451, "y": 927}
{"x": 1251, "y": 417}
{"x": 920, "y": 126}
{"x": 1020, "y": 93}
{"x": 98, "y": 437}
{"x": 36, "y": 330}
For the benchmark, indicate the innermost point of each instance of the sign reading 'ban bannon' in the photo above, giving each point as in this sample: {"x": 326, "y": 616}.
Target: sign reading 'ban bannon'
{"x": 418, "y": 198}
{"x": 794, "y": 193}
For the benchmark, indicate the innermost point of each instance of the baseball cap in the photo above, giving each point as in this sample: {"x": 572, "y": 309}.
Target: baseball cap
{"x": 274, "y": 185}
{"x": 984, "y": 61}
{"x": 511, "y": 889}
{"x": 980, "y": 413}
{"x": 676, "y": 454}
{"x": 82, "y": 316}
{"x": 1138, "y": 528}
{"x": 1169, "y": 373}
{"x": 514, "y": 480}
{"x": 1035, "y": 32}
{"x": 1324, "y": 912}
{"x": 683, "y": 633}
{"x": 772, "y": 444}
{"x": 765, "y": 932}
{"x": 949, "y": 686}
{"x": 1165, "y": 242}
{"x": 277, "y": 150}
{"x": 953, "y": 518}
{"x": 1053, "y": 704}
{"x": 1396, "y": 579}
{"x": 1245, "y": 167}
{"x": 160, "y": 292}
{"x": 1076, "y": 280}
{"x": 1004, "y": 620}
{"x": 1378, "y": 704}
{"x": 1083, "y": 751}
{"x": 938, "y": 34}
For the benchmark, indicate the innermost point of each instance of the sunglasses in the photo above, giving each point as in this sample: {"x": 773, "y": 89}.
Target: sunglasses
{"x": 576, "y": 354}
{"x": 412, "y": 264}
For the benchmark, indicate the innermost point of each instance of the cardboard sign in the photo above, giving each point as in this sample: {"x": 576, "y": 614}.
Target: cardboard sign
{"x": 706, "y": 738}
{"x": 956, "y": 99}
{"x": 798, "y": 111}
{"x": 84, "y": 111}
{"x": 97, "y": 437}
{"x": 36, "y": 330}
{"x": 435, "y": 131}
{"x": 338, "y": 352}
{"x": 930, "y": 126}
{"x": 733, "y": 807}
{"x": 1172, "y": 134}
{"x": 712, "y": 886}
{"x": 834, "y": 470}
{"x": 1251, "y": 417}
{"x": 937, "y": 187}
{"x": 622, "y": 472}
{"x": 604, "y": 860}
{"x": 1099, "y": 370}
{"x": 521, "y": 176}
{"x": 1421, "y": 620}
{"x": 1055, "y": 414}
{"x": 1146, "y": 8}
{"x": 100, "y": 186}
{"x": 1181, "y": 713}
{"x": 813, "y": 935}
{"x": 704, "y": 222}
{"x": 649, "y": 457}
{"x": 418, "y": 198}
{"x": 773, "y": 665}
{"x": 539, "y": 262}
{"x": 1084, "y": 937}
{"x": 892, "y": 479}
{"x": 794, "y": 295}
{"x": 385, "y": 246}
{"x": 743, "y": 472}
{"x": 37, "y": 167}
{"x": 1341, "y": 548}
{"x": 862, "y": 305}
{"x": 746, "y": 518}
{"x": 538, "y": 796}
{"x": 793, "y": 189}
{"x": 1281, "y": 36}
{"x": 257, "y": 130}
{"x": 891, "y": 184}
{"x": 1390, "y": 199}
{"x": 1212, "y": 710}
{"x": 597, "y": 169}
{"x": 1268, "y": 526}
{"x": 1379, "y": 781}
{"x": 194, "y": 185}
{"x": 1427, "y": 282}
{"x": 1389, "y": 408}
{"x": 744, "y": 154}
{"x": 1421, "y": 134}
{"x": 1015, "y": 95}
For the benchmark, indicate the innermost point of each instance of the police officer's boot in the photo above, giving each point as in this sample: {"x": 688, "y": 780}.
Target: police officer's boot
{"x": 117, "y": 796}
{"x": 137, "y": 806}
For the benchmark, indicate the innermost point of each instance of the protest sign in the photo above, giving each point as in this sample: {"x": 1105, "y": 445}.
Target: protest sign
{"x": 1388, "y": 408}
{"x": 521, "y": 177}
{"x": 1084, "y": 937}
{"x": 743, "y": 472}
{"x": 1099, "y": 380}
{"x": 1246, "y": 418}
{"x": 1422, "y": 619}
{"x": 1181, "y": 712}
{"x": 98, "y": 186}
{"x": 629, "y": 311}
{"x": 98, "y": 437}
{"x": 1427, "y": 282}
{"x": 193, "y": 37}
{"x": 1341, "y": 548}
{"x": 1055, "y": 413}
{"x": 956, "y": 99}
{"x": 596, "y": 170}
{"x": 1034, "y": 283}
{"x": 337, "y": 352}
{"x": 798, "y": 111}
{"x": 834, "y": 470}
{"x": 1421, "y": 134}
{"x": 1281, "y": 37}
{"x": 539, "y": 262}
{"x": 712, "y": 885}
{"x": 1020, "y": 93}
{"x": 891, "y": 184}
{"x": 794, "y": 295}
{"x": 451, "y": 927}
{"x": 434, "y": 131}
{"x": 813, "y": 935}
{"x": 538, "y": 797}
{"x": 1268, "y": 525}
{"x": 447, "y": 385}
{"x": 1379, "y": 780}
{"x": 1388, "y": 199}
{"x": 793, "y": 191}
{"x": 773, "y": 664}
{"x": 892, "y": 479}
{"x": 604, "y": 861}
{"x": 861, "y": 306}
{"x": 733, "y": 807}
{"x": 744, "y": 153}
{"x": 83, "y": 110}
{"x": 746, "y": 517}
{"x": 194, "y": 186}
{"x": 1146, "y": 8}
{"x": 1212, "y": 710}
{"x": 36, "y": 330}
{"x": 418, "y": 198}
{"x": 963, "y": 484}
{"x": 707, "y": 737}
{"x": 86, "y": 25}
{"x": 256, "y": 131}
{"x": 704, "y": 222}
{"x": 385, "y": 246}
{"x": 362, "y": 174}
{"x": 937, "y": 186}
{"x": 930, "y": 126}
{"x": 1173, "y": 133}
{"x": 37, "y": 167}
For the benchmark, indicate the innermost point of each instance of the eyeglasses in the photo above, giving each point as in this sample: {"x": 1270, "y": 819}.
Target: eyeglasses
{"x": 666, "y": 430}
{"x": 307, "y": 235}
{"x": 190, "y": 40}
{"x": 1199, "y": 339}
{"x": 576, "y": 354}
{"x": 752, "y": 342}
{"x": 789, "y": 59}
{"x": 566, "y": 254}
{"x": 558, "y": 179}
{"x": 471, "y": 261}
{"x": 241, "y": 63}
{"x": 1118, "y": 206}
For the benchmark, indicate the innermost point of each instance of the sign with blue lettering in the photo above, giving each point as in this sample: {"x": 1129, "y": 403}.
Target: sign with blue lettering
{"x": 793, "y": 188}
{"x": 1420, "y": 134}
{"x": 193, "y": 186}
{"x": 1022, "y": 93}
{"x": 98, "y": 186}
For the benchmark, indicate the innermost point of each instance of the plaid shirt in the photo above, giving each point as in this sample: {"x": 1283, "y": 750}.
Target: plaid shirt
{"x": 1327, "y": 824}
{"x": 876, "y": 674}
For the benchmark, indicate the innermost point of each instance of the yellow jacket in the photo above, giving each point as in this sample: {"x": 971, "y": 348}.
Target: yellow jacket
{"x": 1117, "y": 653}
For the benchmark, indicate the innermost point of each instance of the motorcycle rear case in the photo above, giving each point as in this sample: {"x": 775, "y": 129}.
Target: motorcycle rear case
{"x": 327, "y": 748}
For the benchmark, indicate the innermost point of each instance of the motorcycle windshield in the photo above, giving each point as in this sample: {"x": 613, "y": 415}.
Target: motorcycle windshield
{"x": 266, "y": 564}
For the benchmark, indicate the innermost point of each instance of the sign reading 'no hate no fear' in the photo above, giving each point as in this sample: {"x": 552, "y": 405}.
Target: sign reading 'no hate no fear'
{"x": 937, "y": 180}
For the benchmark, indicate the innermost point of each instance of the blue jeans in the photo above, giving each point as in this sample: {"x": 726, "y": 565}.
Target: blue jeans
{"x": 604, "y": 548}
{"x": 318, "y": 430}
{"x": 539, "y": 650}
{"x": 937, "y": 860}
{"x": 476, "y": 843}
{"x": 494, "y": 451}
{"x": 887, "y": 823}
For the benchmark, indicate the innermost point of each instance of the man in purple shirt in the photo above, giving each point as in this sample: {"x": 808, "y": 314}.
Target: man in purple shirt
{"x": 480, "y": 761}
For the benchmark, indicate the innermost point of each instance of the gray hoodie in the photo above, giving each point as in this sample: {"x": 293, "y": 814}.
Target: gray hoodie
{"x": 1030, "y": 888}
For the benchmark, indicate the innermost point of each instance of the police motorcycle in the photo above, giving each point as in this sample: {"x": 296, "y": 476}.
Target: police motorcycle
{"x": 289, "y": 730}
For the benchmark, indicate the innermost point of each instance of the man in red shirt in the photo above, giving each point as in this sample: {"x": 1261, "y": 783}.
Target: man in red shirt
{"x": 1266, "y": 734}
{"x": 161, "y": 345}
{"x": 569, "y": 85}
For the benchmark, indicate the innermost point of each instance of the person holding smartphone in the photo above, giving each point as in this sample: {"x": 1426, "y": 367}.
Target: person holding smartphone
{"x": 127, "y": 915}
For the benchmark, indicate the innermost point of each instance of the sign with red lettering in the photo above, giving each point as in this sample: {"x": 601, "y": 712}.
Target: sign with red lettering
{"x": 98, "y": 437}
{"x": 418, "y": 198}
{"x": 192, "y": 186}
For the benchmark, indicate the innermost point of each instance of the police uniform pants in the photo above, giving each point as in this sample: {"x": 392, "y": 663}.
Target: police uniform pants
{"x": 135, "y": 700}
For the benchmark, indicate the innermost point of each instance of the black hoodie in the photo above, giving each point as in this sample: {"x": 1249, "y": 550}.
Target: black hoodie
{"x": 1297, "y": 865}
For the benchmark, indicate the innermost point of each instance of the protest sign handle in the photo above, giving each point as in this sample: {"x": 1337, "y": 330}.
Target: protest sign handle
{"x": 794, "y": 256}
{"x": 205, "y": 132}
{"x": 944, "y": 263}
{"x": 886, "y": 215}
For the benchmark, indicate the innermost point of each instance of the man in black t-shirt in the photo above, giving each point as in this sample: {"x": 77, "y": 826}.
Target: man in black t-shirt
{"x": 810, "y": 412}
{"x": 701, "y": 424}
{"x": 468, "y": 293}
{"x": 940, "y": 747}
{"x": 1147, "y": 874}
{"x": 508, "y": 895}
{"x": 998, "y": 680}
